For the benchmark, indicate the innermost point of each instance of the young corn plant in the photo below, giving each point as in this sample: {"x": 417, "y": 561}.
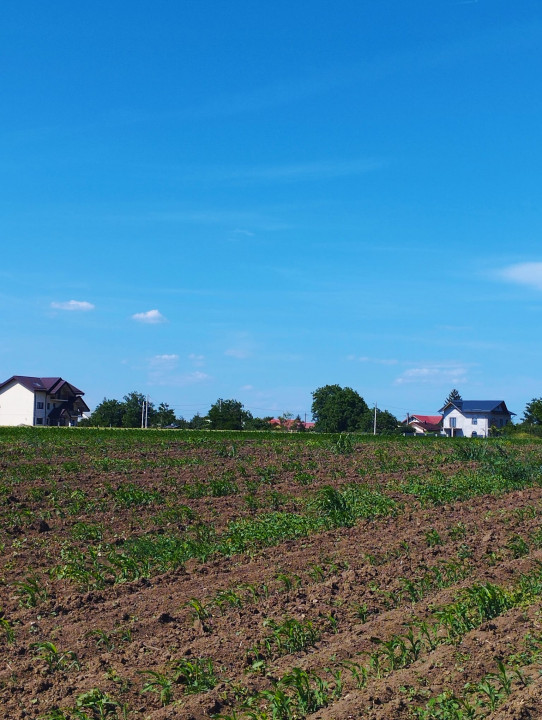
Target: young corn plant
{"x": 201, "y": 613}
{"x": 55, "y": 659}
{"x": 289, "y": 636}
{"x": 100, "y": 705}
{"x": 7, "y": 628}
{"x": 31, "y": 591}
{"x": 160, "y": 683}
{"x": 195, "y": 674}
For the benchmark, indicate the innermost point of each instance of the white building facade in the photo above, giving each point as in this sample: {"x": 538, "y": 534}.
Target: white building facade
{"x": 37, "y": 401}
{"x": 474, "y": 418}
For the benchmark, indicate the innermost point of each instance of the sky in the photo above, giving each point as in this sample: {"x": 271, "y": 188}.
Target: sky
{"x": 250, "y": 200}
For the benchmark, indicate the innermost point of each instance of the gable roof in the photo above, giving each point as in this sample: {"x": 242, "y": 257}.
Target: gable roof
{"x": 479, "y": 406}
{"x": 430, "y": 419}
{"x": 36, "y": 384}
{"x": 277, "y": 422}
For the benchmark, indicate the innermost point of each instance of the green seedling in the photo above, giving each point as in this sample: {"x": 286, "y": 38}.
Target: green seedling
{"x": 31, "y": 591}
{"x": 195, "y": 674}
{"x": 201, "y": 613}
{"x": 55, "y": 659}
{"x": 160, "y": 683}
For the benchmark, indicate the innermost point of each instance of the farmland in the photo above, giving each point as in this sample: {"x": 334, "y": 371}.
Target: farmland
{"x": 254, "y": 576}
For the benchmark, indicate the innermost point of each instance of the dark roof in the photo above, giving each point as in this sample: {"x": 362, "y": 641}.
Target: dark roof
{"x": 481, "y": 406}
{"x": 37, "y": 384}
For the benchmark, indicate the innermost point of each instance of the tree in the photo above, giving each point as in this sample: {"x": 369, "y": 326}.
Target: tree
{"x": 385, "y": 421}
{"x": 228, "y": 415}
{"x": 108, "y": 413}
{"x": 198, "y": 423}
{"x": 133, "y": 410}
{"x": 533, "y": 412}
{"x": 453, "y": 397}
{"x": 164, "y": 416}
{"x": 255, "y": 423}
{"x": 337, "y": 409}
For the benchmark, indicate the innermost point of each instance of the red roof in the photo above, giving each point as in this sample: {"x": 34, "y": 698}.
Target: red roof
{"x": 277, "y": 422}
{"x": 430, "y": 419}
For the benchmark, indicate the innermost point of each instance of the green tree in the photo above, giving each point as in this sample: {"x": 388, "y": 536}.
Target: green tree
{"x": 198, "y": 422}
{"x": 454, "y": 396}
{"x": 133, "y": 408}
{"x": 255, "y": 423}
{"x": 337, "y": 409}
{"x": 164, "y": 416}
{"x": 533, "y": 412}
{"x": 227, "y": 415}
{"x": 385, "y": 421}
{"x": 108, "y": 413}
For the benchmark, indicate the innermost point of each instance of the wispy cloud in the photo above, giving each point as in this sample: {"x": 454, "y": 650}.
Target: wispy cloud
{"x": 377, "y": 361}
{"x": 73, "y": 305}
{"x": 165, "y": 362}
{"x": 527, "y": 273}
{"x": 238, "y": 232}
{"x": 181, "y": 380}
{"x": 293, "y": 172}
{"x": 197, "y": 360}
{"x": 239, "y": 353}
{"x": 434, "y": 374}
{"x": 151, "y": 317}
{"x": 164, "y": 371}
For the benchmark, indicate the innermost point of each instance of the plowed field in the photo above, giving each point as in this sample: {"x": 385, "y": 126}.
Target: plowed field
{"x": 254, "y": 576}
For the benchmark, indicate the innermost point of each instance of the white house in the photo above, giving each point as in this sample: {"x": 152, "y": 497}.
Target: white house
{"x": 40, "y": 401}
{"x": 474, "y": 418}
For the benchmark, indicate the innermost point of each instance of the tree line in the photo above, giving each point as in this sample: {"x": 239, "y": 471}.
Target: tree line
{"x": 334, "y": 409}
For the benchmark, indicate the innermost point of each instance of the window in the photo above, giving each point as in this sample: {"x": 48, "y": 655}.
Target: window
{"x": 475, "y": 421}
{"x": 39, "y": 405}
{"x": 39, "y": 421}
{"x": 452, "y": 422}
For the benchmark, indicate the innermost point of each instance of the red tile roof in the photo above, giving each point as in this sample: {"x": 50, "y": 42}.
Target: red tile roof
{"x": 276, "y": 422}
{"x": 431, "y": 419}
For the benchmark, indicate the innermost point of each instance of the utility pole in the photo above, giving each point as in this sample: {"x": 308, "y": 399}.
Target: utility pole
{"x": 374, "y": 423}
{"x": 147, "y": 412}
{"x": 143, "y": 415}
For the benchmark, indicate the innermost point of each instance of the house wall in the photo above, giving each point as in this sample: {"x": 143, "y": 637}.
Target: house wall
{"x": 16, "y": 405}
{"x": 465, "y": 426}
{"x": 40, "y": 413}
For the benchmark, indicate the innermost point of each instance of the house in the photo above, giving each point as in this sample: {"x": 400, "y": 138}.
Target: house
{"x": 422, "y": 424}
{"x": 290, "y": 424}
{"x": 474, "y": 418}
{"x": 40, "y": 401}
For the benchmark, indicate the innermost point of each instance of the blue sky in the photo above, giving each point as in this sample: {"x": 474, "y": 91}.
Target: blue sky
{"x": 252, "y": 200}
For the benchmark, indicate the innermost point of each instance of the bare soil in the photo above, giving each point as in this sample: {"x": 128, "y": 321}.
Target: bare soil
{"x": 78, "y": 491}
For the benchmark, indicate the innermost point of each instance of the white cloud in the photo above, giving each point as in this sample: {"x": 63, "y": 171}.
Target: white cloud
{"x": 243, "y": 233}
{"x": 151, "y": 317}
{"x": 195, "y": 377}
{"x": 247, "y": 387}
{"x": 80, "y": 305}
{"x": 197, "y": 360}
{"x": 164, "y": 362}
{"x": 434, "y": 374}
{"x": 238, "y": 353}
{"x": 377, "y": 361}
{"x": 315, "y": 170}
{"x": 528, "y": 273}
